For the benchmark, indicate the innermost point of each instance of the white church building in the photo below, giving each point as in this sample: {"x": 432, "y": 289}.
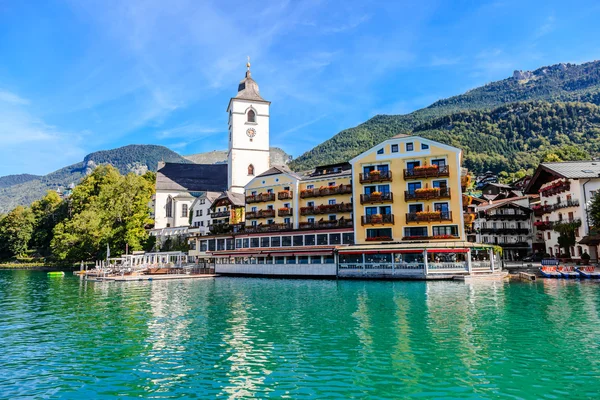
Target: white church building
{"x": 178, "y": 186}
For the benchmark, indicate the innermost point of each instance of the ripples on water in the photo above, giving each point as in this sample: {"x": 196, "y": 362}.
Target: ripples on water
{"x": 236, "y": 338}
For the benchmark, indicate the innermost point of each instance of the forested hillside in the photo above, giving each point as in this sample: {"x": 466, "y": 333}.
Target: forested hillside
{"x": 10, "y": 180}
{"x": 516, "y": 136}
{"x": 561, "y": 82}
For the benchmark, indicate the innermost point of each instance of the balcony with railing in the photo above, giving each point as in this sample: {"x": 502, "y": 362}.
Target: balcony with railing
{"x": 428, "y": 216}
{"x": 436, "y": 237}
{"x": 543, "y": 225}
{"x": 260, "y": 214}
{"x": 556, "y": 188}
{"x": 326, "y": 209}
{"x": 326, "y": 191}
{"x": 260, "y": 198}
{"x": 326, "y": 224}
{"x": 285, "y": 195}
{"x": 285, "y": 212}
{"x": 504, "y": 214}
{"x": 565, "y": 204}
{"x": 376, "y": 176}
{"x": 260, "y": 228}
{"x": 427, "y": 194}
{"x": 376, "y": 197}
{"x": 427, "y": 171}
{"x": 377, "y": 219}
{"x": 505, "y": 231}
{"x": 220, "y": 214}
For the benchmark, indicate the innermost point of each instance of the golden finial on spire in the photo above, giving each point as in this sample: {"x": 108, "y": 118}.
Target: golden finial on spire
{"x": 248, "y": 63}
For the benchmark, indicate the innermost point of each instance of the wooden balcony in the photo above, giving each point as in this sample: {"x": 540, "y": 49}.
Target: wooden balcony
{"x": 430, "y": 171}
{"x": 427, "y": 194}
{"x": 326, "y": 209}
{"x": 260, "y": 214}
{"x": 268, "y": 228}
{"x": 377, "y": 219}
{"x": 285, "y": 212}
{"x": 372, "y": 177}
{"x": 428, "y": 216}
{"x": 220, "y": 214}
{"x": 285, "y": 195}
{"x": 259, "y": 198}
{"x": 376, "y": 198}
{"x": 326, "y": 191}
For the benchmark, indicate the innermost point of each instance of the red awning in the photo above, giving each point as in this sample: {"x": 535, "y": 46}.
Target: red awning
{"x": 447, "y": 250}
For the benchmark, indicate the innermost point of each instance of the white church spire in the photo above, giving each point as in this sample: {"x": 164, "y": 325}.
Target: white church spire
{"x": 248, "y": 134}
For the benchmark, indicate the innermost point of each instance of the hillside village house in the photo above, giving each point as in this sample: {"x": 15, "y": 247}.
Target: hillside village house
{"x": 565, "y": 188}
{"x": 507, "y": 223}
{"x": 200, "y": 212}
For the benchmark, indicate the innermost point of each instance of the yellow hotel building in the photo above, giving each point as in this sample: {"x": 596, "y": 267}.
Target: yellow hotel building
{"x": 408, "y": 189}
{"x": 280, "y": 199}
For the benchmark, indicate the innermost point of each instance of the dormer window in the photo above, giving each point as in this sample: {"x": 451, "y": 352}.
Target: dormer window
{"x": 251, "y": 116}
{"x": 409, "y": 147}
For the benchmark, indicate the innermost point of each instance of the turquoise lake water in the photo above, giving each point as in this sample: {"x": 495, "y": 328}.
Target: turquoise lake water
{"x": 238, "y": 337}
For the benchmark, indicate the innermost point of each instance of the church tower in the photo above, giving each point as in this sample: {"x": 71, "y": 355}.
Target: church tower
{"x": 248, "y": 134}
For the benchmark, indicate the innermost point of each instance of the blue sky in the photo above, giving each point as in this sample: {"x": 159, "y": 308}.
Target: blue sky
{"x": 81, "y": 76}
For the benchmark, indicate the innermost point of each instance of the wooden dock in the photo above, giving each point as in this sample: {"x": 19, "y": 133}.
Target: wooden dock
{"x": 139, "y": 278}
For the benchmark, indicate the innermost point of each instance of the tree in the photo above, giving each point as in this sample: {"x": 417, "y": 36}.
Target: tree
{"x": 107, "y": 208}
{"x": 594, "y": 211}
{"x": 567, "y": 238}
{"x": 47, "y": 213}
{"x": 16, "y": 229}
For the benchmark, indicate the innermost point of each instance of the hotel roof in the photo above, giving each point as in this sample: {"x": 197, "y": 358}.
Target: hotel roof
{"x": 192, "y": 177}
{"x": 547, "y": 172}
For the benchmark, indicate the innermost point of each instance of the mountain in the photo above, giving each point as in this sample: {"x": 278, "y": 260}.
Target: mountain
{"x": 11, "y": 180}
{"x": 560, "y": 82}
{"x": 278, "y": 157}
{"x": 518, "y": 135}
{"x": 24, "y": 189}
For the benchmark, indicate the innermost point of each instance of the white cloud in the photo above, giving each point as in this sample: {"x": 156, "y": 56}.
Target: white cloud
{"x": 11, "y": 98}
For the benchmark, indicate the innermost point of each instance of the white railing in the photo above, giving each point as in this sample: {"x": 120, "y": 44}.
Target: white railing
{"x": 447, "y": 267}
{"x": 481, "y": 264}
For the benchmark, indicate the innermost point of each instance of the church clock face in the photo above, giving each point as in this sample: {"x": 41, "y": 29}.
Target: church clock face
{"x": 251, "y": 133}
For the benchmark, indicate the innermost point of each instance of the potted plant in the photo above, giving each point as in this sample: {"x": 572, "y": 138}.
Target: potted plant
{"x": 375, "y": 195}
{"x": 376, "y": 218}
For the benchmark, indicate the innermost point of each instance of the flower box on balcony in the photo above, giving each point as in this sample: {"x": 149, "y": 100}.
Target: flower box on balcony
{"x": 436, "y": 237}
{"x": 426, "y": 215}
{"x": 376, "y": 218}
{"x": 415, "y": 238}
{"x": 284, "y": 195}
{"x": 379, "y": 239}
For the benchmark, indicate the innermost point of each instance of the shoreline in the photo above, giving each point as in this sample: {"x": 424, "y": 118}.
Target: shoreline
{"x": 34, "y": 267}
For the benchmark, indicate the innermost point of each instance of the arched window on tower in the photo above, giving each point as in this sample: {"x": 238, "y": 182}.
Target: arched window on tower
{"x": 251, "y": 169}
{"x": 251, "y": 116}
{"x": 169, "y": 207}
{"x": 184, "y": 210}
